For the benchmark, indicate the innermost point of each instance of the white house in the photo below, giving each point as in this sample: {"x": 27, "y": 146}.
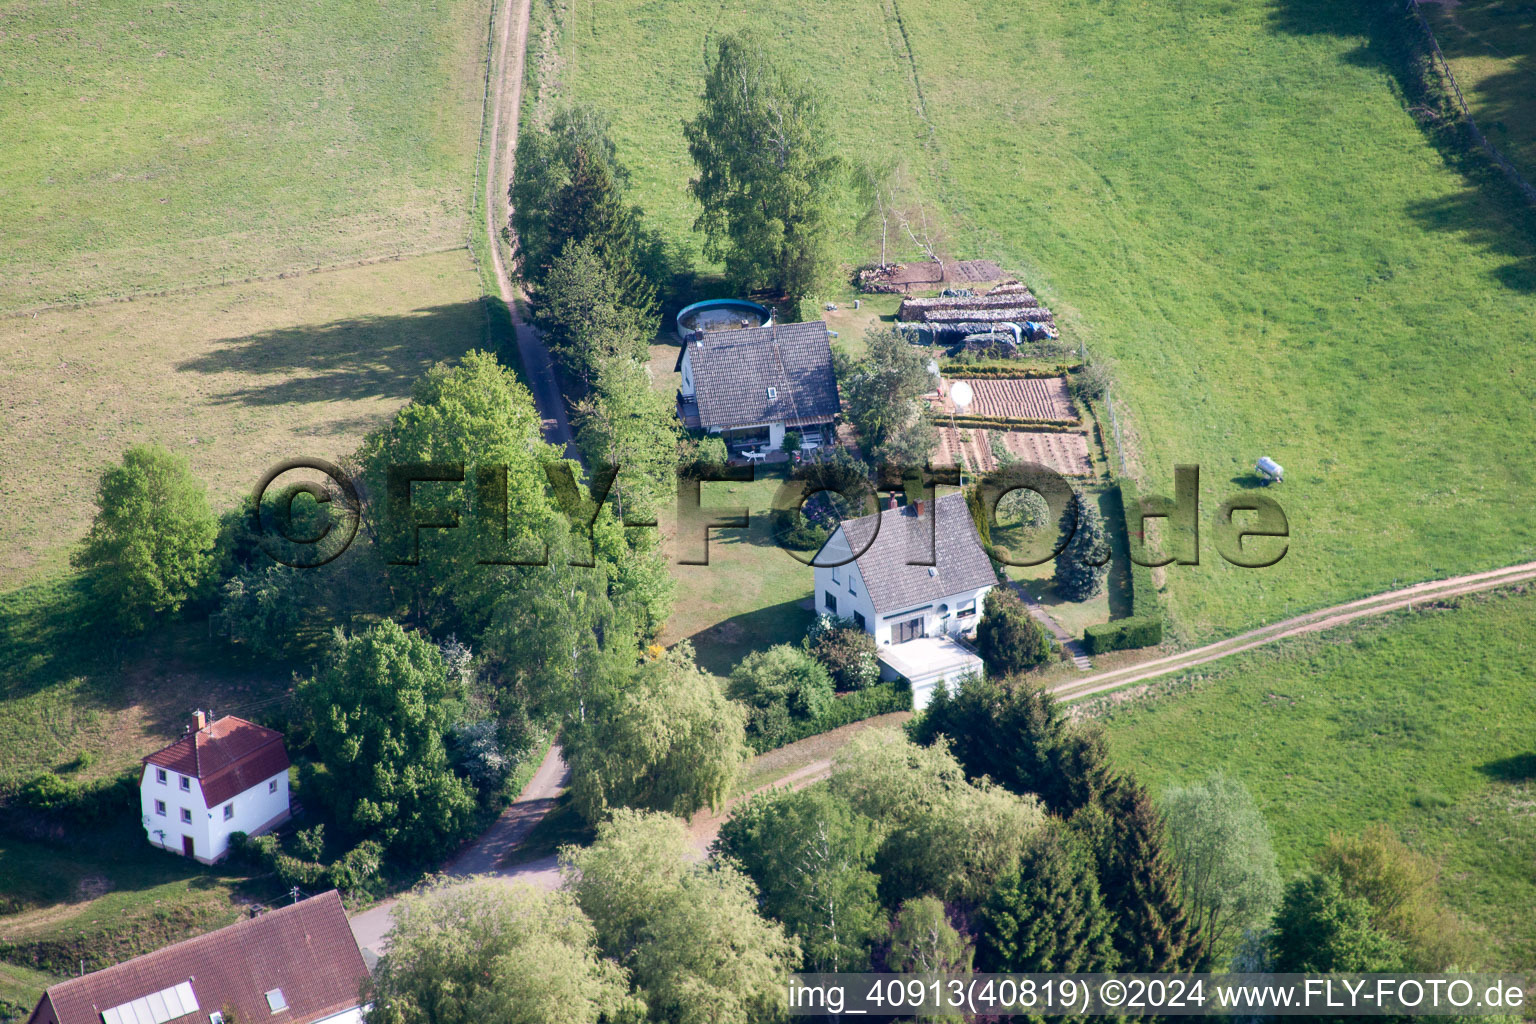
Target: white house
{"x": 751, "y": 385}
{"x": 917, "y": 585}
{"x": 295, "y": 965}
{"x": 222, "y": 777}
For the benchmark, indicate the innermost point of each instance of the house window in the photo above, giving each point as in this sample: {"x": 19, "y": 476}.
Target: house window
{"x": 160, "y": 776}
{"x": 272, "y": 786}
{"x": 851, "y": 588}
{"x": 229, "y": 810}
{"x": 837, "y": 574}
{"x": 858, "y": 620}
{"x": 831, "y": 602}
{"x": 186, "y": 784}
{"x": 160, "y": 808}
{"x": 186, "y": 816}
{"x": 968, "y": 609}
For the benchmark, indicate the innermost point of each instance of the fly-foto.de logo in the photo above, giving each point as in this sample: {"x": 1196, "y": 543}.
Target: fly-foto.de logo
{"x": 1251, "y": 530}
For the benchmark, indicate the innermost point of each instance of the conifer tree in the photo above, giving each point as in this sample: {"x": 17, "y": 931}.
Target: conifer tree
{"x": 1008, "y": 638}
{"x": 590, "y": 208}
{"x": 1049, "y": 916}
{"x": 1084, "y": 562}
{"x": 1153, "y": 931}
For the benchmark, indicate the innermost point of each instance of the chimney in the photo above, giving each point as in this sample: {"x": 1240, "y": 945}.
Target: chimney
{"x": 891, "y": 504}
{"x": 200, "y": 720}
{"x": 919, "y": 505}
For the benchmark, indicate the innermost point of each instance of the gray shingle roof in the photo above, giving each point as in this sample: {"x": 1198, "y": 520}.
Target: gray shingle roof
{"x": 960, "y": 562}
{"x": 733, "y": 370}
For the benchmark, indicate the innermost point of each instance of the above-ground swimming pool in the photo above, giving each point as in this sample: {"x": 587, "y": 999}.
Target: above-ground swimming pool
{"x": 720, "y": 315}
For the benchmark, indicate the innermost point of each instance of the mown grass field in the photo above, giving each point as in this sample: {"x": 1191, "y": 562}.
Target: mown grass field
{"x": 236, "y": 378}
{"x": 175, "y": 145}
{"x": 1422, "y": 720}
{"x": 1229, "y": 200}
{"x": 1491, "y": 47}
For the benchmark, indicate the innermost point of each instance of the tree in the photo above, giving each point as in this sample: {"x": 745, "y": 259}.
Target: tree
{"x": 1015, "y": 733}
{"x": 1021, "y": 506}
{"x": 1048, "y": 916}
{"x": 1091, "y": 383}
{"x": 1140, "y": 884}
{"x": 263, "y": 607}
{"x": 942, "y": 836}
{"x": 150, "y": 547}
{"x": 481, "y": 952}
{"x": 810, "y": 857}
{"x": 586, "y": 319}
{"x": 882, "y": 397}
{"x": 846, "y": 651}
{"x": 690, "y": 934}
{"x": 629, "y": 424}
{"x": 1084, "y": 562}
{"x": 378, "y": 711}
{"x": 661, "y": 737}
{"x": 767, "y": 181}
{"x": 777, "y": 686}
{"x": 1220, "y": 843}
{"x": 923, "y": 941}
{"x": 1318, "y": 929}
{"x": 1008, "y": 638}
{"x": 1402, "y": 888}
{"x": 569, "y": 189}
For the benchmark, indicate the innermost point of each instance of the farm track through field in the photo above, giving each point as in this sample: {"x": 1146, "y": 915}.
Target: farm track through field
{"x": 1311, "y": 622}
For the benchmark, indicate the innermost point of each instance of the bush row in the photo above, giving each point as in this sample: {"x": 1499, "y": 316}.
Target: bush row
{"x": 98, "y": 801}
{"x": 998, "y": 423}
{"x": 880, "y": 699}
{"x": 1011, "y": 371}
{"x": 1145, "y": 626}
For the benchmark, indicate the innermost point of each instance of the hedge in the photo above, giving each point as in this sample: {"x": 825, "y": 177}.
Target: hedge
{"x": 99, "y": 801}
{"x": 1000, "y": 423}
{"x": 880, "y": 699}
{"x": 1004, "y": 371}
{"x": 1144, "y": 628}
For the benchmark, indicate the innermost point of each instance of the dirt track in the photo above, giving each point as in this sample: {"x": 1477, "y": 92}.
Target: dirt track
{"x": 1312, "y": 622}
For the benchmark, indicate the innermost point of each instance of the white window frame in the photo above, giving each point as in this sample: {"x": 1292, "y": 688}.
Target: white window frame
{"x": 272, "y": 786}
{"x": 160, "y": 776}
{"x": 229, "y": 811}
{"x": 160, "y": 808}
{"x": 186, "y": 816}
{"x": 186, "y": 783}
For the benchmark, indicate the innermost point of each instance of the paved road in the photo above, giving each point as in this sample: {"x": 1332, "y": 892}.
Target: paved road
{"x": 485, "y": 855}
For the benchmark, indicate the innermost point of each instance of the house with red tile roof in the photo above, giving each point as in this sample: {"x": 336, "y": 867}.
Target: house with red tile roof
{"x": 221, "y": 778}
{"x": 296, "y": 965}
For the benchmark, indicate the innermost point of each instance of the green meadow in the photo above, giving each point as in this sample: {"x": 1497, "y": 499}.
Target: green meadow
{"x": 1229, "y": 201}
{"x": 162, "y": 146}
{"x": 1422, "y": 720}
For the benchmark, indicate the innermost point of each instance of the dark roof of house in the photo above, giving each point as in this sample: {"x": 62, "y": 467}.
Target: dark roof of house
{"x": 960, "y": 562}
{"x": 226, "y": 757}
{"x": 733, "y": 370}
{"x": 306, "y": 950}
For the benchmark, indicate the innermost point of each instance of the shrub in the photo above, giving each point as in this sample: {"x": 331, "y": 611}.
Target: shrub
{"x": 1123, "y": 635}
{"x": 845, "y": 651}
{"x": 778, "y": 685}
{"x": 1090, "y": 383}
{"x": 1008, "y": 638}
{"x": 880, "y": 699}
{"x": 310, "y": 843}
{"x": 479, "y": 757}
{"x": 103, "y": 801}
{"x": 357, "y": 870}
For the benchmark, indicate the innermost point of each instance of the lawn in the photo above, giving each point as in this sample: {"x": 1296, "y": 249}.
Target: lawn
{"x": 1490, "y": 45}
{"x": 1422, "y": 720}
{"x": 153, "y": 147}
{"x": 236, "y": 378}
{"x": 1229, "y": 201}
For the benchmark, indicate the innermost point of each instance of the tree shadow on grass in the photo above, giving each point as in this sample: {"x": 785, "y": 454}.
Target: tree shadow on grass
{"x": 721, "y": 646}
{"x": 1520, "y": 768}
{"x": 1489, "y": 212}
{"x": 357, "y": 358}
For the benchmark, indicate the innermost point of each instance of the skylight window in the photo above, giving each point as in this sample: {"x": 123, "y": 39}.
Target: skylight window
{"x": 276, "y": 1001}
{"x": 155, "y": 1008}
{"x": 773, "y": 392}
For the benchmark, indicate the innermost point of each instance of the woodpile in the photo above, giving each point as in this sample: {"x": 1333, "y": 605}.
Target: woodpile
{"x": 922, "y": 309}
{"x": 1003, "y": 314}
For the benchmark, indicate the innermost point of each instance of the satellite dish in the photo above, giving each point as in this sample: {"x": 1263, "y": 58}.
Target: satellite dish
{"x": 960, "y": 393}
